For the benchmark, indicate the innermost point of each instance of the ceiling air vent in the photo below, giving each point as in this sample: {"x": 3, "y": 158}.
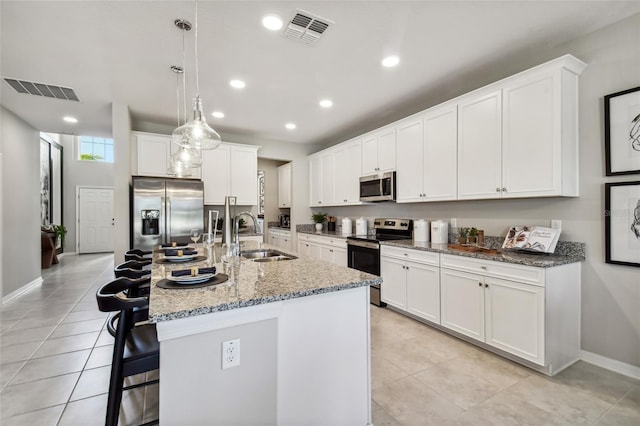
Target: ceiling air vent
{"x": 41, "y": 89}
{"x": 306, "y": 27}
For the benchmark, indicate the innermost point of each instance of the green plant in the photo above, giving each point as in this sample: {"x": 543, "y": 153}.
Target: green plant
{"x": 92, "y": 157}
{"x": 463, "y": 232}
{"x": 319, "y": 217}
{"x": 473, "y": 232}
{"x": 61, "y": 232}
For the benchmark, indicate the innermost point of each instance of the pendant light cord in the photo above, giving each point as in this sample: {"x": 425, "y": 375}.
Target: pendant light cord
{"x": 196, "y": 52}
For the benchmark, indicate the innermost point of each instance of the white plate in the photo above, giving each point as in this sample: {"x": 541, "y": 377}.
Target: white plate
{"x": 188, "y": 279}
{"x": 174, "y": 248}
{"x": 182, "y": 258}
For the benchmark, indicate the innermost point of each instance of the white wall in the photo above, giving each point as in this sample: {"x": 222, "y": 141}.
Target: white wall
{"x": 610, "y": 293}
{"x": 79, "y": 173}
{"x": 21, "y": 248}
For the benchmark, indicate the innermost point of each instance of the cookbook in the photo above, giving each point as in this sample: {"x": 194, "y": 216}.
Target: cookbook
{"x": 532, "y": 238}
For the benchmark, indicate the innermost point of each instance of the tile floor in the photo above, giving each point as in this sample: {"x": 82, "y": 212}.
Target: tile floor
{"x": 55, "y": 355}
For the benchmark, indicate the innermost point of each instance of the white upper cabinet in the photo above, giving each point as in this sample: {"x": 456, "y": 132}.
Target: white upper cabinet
{"x": 346, "y": 173}
{"x": 230, "y": 169}
{"x": 153, "y": 152}
{"x": 521, "y": 140}
{"x": 320, "y": 179}
{"x": 426, "y": 148}
{"x": 379, "y": 151}
{"x": 284, "y": 186}
{"x": 480, "y": 145}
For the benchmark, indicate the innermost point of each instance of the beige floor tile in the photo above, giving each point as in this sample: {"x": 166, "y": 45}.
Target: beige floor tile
{"x": 571, "y": 404}
{"x": 410, "y": 402}
{"x": 12, "y": 314}
{"x": 409, "y": 355}
{"x": 20, "y": 352}
{"x": 32, "y": 322}
{"x": 92, "y": 382}
{"x": 625, "y": 412}
{"x": 92, "y": 411}
{"x": 7, "y": 371}
{"x": 80, "y": 327}
{"x": 6, "y": 326}
{"x": 85, "y": 315}
{"x": 56, "y": 365}
{"x": 100, "y": 356}
{"x": 105, "y": 338}
{"x": 151, "y": 403}
{"x": 31, "y": 396}
{"x": 440, "y": 347}
{"x": 380, "y": 417}
{"x": 384, "y": 372}
{"x": 602, "y": 383}
{"x": 67, "y": 344}
{"x": 504, "y": 409}
{"x": 464, "y": 390}
{"x": 25, "y": 336}
{"x": 45, "y": 417}
{"x": 85, "y": 306}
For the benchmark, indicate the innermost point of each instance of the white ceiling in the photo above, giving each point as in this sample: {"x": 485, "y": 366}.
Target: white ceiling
{"x": 121, "y": 51}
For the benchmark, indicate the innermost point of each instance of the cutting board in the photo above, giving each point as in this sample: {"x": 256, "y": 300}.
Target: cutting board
{"x": 471, "y": 249}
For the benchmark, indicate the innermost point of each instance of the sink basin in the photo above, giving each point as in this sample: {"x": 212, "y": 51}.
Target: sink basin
{"x": 266, "y": 255}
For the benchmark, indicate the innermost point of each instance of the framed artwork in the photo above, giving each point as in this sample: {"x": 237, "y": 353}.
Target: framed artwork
{"x": 622, "y": 132}
{"x": 622, "y": 223}
{"x": 45, "y": 183}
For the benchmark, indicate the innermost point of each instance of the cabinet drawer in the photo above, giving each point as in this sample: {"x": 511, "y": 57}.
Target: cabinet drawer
{"x": 328, "y": 241}
{"x": 421, "y": 256}
{"x": 509, "y": 271}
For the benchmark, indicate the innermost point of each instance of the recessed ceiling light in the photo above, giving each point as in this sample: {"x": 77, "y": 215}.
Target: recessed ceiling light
{"x": 218, "y": 114}
{"x": 390, "y": 61}
{"x": 326, "y": 103}
{"x": 238, "y": 84}
{"x": 272, "y": 22}
{"x": 290, "y": 126}
{"x": 69, "y": 119}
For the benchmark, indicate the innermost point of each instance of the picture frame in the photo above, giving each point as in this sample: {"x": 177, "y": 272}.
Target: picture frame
{"x": 622, "y": 223}
{"x": 622, "y": 132}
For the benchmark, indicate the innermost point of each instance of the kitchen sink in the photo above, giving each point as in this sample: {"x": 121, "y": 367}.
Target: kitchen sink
{"x": 266, "y": 255}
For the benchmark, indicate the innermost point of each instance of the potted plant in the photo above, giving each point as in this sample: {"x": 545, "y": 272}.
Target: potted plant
{"x": 319, "y": 219}
{"x": 61, "y": 232}
{"x": 463, "y": 234}
{"x": 473, "y": 236}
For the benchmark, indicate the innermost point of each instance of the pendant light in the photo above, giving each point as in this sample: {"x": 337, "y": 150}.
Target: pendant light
{"x": 196, "y": 133}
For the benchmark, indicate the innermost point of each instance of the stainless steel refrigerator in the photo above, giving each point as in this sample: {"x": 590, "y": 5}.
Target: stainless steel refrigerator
{"x": 164, "y": 210}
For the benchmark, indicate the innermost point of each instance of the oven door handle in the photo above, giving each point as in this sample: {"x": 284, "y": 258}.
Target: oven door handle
{"x": 365, "y": 244}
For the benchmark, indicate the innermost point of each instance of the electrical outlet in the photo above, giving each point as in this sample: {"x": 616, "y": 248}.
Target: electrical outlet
{"x": 230, "y": 353}
{"x": 556, "y": 223}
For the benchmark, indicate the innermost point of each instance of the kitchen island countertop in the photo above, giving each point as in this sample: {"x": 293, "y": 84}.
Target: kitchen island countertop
{"x": 260, "y": 283}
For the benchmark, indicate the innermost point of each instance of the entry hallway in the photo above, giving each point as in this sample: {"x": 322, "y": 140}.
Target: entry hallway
{"x": 55, "y": 359}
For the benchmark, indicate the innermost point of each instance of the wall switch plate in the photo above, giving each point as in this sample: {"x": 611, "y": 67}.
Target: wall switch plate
{"x": 230, "y": 353}
{"x": 556, "y": 223}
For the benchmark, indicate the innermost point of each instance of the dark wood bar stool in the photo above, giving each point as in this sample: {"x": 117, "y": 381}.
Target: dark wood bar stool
{"x": 136, "y": 349}
{"x": 137, "y": 254}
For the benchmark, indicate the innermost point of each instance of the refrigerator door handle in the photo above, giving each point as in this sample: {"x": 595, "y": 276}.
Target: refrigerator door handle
{"x": 167, "y": 216}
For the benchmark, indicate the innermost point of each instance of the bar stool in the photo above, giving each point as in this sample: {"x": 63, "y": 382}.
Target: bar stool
{"x": 136, "y": 349}
{"x": 133, "y": 269}
{"x": 137, "y": 254}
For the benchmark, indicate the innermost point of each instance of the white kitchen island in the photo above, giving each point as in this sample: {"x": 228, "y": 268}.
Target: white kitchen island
{"x": 304, "y": 351}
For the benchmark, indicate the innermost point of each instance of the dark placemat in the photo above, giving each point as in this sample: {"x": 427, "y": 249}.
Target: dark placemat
{"x": 195, "y": 259}
{"x": 218, "y": 279}
{"x": 163, "y": 249}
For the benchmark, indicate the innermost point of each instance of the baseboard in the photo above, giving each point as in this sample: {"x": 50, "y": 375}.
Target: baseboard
{"x": 25, "y": 288}
{"x": 67, "y": 253}
{"x": 611, "y": 364}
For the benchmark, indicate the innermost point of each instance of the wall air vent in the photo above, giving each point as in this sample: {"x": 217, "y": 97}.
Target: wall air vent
{"x": 306, "y": 27}
{"x": 41, "y": 89}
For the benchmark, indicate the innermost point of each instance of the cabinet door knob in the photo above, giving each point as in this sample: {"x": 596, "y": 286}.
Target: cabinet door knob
{"x": 483, "y": 267}
{"x": 486, "y": 285}
{"x": 497, "y": 189}
{"x": 504, "y": 189}
{"x": 406, "y": 254}
{"x": 480, "y": 284}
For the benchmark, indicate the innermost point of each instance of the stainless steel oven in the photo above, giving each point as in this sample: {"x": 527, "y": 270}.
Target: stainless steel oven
{"x": 363, "y": 252}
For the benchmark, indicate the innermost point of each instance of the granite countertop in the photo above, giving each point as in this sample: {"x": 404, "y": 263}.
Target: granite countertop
{"x": 541, "y": 260}
{"x": 259, "y": 283}
{"x": 323, "y": 233}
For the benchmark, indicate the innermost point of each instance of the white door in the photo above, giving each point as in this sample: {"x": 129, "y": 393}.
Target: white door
{"x": 95, "y": 220}
{"x": 423, "y": 291}
{"x": 410, "y": 161}
{"x": 462, "y": 303}
{"x": 394, "y": 282}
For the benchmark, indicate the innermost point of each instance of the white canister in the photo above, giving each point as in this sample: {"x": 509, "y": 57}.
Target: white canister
{"x": 361, "y": 226}
{"x": 421, "y": 231}
{"x": 346, "y": 226}
{"x": 439, "y": 232}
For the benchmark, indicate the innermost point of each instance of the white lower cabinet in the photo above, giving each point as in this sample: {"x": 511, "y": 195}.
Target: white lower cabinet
{"x": 532, "y": 313}
{"x": 329, "y": 249}
{"x": 280, "y": 238}
{"x": 411, "y": 281}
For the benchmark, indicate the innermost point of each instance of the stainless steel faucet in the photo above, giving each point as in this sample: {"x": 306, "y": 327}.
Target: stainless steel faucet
{"x": 236, "y": 237}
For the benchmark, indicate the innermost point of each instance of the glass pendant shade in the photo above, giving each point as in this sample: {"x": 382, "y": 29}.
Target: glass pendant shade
{"x": 197, "y": 133}
{"x": 179, "y": 170}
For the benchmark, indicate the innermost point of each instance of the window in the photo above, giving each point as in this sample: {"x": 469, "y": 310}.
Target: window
{"x": 95, "y": 149}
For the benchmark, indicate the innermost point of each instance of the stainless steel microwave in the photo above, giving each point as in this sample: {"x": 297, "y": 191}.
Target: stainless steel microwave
{"x": 378, "y": 187}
